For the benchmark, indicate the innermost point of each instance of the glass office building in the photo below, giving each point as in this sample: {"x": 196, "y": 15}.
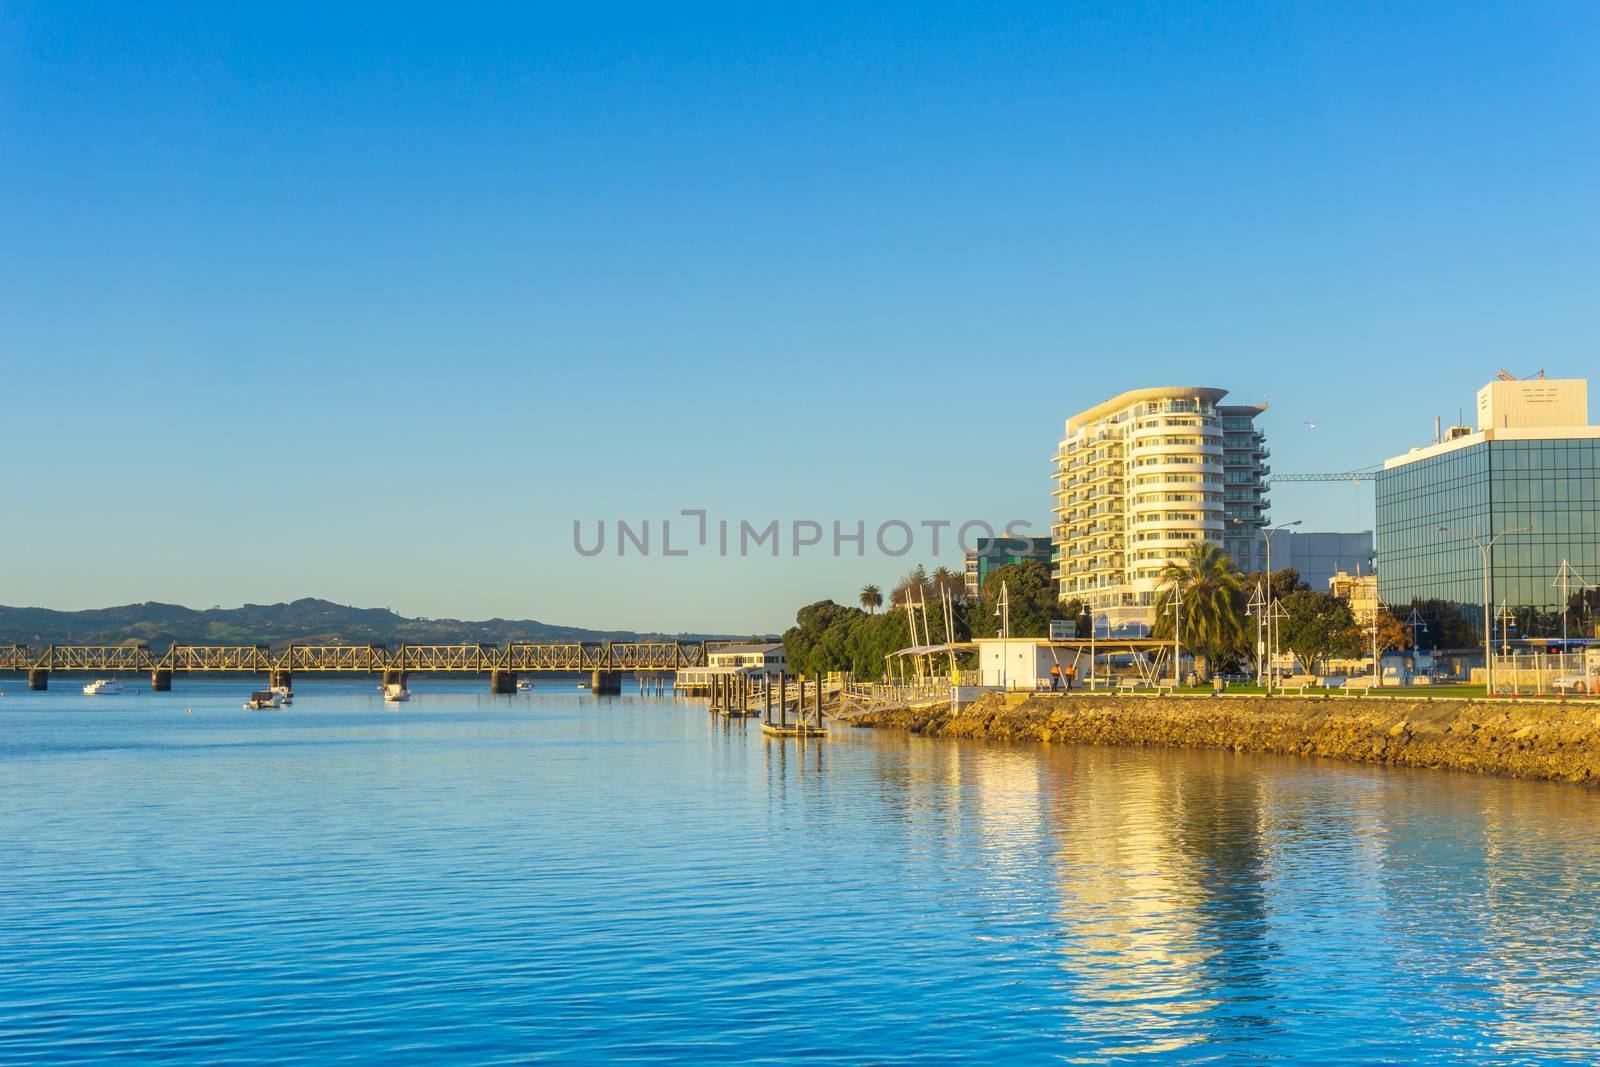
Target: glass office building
{"x": 1481, "y": 484}
{"x": 993, "y": 553}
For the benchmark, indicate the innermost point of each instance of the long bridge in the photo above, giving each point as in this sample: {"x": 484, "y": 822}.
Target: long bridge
{"x": 605, "y": 662}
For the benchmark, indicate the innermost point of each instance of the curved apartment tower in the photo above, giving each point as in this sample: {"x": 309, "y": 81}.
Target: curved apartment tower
{"x": 1139, "y": 479}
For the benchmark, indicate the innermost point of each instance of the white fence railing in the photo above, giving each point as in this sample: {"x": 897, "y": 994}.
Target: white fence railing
{"x": 879, "y": 694}
{"x": 1537, "y": 674}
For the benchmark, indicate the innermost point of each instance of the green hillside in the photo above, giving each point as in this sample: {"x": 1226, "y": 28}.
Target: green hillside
{"x": 304, "y": 621}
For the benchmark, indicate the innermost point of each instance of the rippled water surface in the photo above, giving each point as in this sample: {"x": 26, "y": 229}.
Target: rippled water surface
{"x": 560, "y": 877}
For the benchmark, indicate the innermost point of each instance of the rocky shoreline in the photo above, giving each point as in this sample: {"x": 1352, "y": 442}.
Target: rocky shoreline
{"x": 1556, "y": 741}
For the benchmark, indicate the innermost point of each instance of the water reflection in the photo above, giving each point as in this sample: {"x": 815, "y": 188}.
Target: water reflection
{"x": 580, "y": 880}
{"x": 1225, "y": 902}
{"x": 1134, "y": 951}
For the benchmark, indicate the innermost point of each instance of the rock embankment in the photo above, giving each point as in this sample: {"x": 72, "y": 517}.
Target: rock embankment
{"x": 1559, "y": 741}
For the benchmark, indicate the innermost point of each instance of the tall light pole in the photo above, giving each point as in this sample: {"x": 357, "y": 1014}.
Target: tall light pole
{"x": 1488, "y": 596}
{"x": 1377, "y": 675}
{"x": 1563, "y": 579}
{"x": 1090, "y": 612}
{"x": 1177, "y": 628}
{"x": 1267, "y": 533}
{"x": 1415, "y": 620}
{"x": 1257, "y": 607}
{"x": 1003, "y": 610}
{"x": 1275, "y": 616}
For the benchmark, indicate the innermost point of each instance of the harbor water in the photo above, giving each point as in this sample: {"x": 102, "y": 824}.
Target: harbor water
{"x": 558, "y": 877}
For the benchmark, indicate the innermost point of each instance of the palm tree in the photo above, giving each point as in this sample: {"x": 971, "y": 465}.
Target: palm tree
{"x": 946, "y": 580}
{"x": 871, "y": 598}
{"x": 1213, "y": 603}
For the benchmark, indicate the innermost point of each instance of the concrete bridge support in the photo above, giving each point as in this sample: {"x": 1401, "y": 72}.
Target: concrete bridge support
{"x": 38, "y": 679}
{"x": 277, "y": 677}
{"x": 160, "y": 681}
{"x": 502, "y": 681}
{"x": 394, "y": 676}
{"x": 605, "y": 683}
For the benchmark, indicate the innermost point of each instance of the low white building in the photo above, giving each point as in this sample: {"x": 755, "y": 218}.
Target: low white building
{"x": 1025, "y": 662}
{"x": 753, "y": 660}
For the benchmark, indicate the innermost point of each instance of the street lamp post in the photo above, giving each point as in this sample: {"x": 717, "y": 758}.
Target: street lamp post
{"x": 1177, "y": 628}
{"x": 1004, "y": 612}
{"x": 1414, "y": 621}
{"x": 1274, "y": 632}
{"x": 1267, "y": 533}
{"x": 1258, "y": 606}
{"x": 1377, "y": 675}
{"x": 1488, "y": 596}
{"x": 1090, "y": 612}
{"x": 1563, "y": 578}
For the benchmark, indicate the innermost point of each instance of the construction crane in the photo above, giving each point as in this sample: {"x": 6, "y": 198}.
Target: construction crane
{"x": 1365, "y": 474}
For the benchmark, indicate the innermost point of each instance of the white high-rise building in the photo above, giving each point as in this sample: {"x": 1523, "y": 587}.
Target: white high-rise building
{"x": 1139, "y": 479}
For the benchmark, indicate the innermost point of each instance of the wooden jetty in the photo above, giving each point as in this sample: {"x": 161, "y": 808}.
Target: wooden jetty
{"x": 735, "y": 696}
{"x": 805, "y": 724}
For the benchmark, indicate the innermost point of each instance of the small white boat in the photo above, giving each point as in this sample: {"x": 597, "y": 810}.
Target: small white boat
{"x": 394, "y": 693}
{"x": 524, "y": 685}
{"x": 284, "y": 694}
{"x": 262, "y": 698}
{"x": 103, "y": 687}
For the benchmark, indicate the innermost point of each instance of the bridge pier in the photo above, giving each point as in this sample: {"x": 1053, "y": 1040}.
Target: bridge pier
{"x": 279, "y": 677}
{"x": 394, "y": 676}
{"x": 160, "y": 681}
{"x": 502, "y": 681}
{"x": 38, "y": 679}
{"x": 605, "y": 683}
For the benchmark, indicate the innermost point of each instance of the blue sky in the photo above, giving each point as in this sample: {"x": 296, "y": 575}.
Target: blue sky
{"x": 372, "y": 305}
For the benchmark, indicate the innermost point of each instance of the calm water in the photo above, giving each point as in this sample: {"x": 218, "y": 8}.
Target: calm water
{"x": 558, "y": 877}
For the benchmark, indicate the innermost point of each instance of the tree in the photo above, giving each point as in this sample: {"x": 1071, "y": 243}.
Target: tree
{"x": 912, "y": 589}
{"x": 945, "y": 580}
{"x": 830, "y": 637}
{"x": 871, "y": 598}
{"x": 1031, "y": 594}
{"x": 1316, "y": 625}
{"x": 1212, "y": 604}
{"x": 1392, "y": 633}
{"x": 1280, "y": 583}
{"x": 1078, "y": 611}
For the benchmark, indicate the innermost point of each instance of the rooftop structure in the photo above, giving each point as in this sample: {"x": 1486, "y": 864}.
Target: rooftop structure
{"x": 1532, "y": 464}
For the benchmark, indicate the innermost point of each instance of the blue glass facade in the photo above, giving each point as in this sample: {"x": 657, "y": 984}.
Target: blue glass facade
{"x": 1483, "y": 489}
{"x": 992, "y": 553}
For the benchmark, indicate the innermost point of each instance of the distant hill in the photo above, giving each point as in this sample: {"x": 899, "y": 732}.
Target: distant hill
{"x": 308, "y": 621}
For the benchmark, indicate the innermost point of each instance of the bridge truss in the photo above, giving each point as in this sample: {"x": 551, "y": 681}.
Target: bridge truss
{"x": 514, "y": 658}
